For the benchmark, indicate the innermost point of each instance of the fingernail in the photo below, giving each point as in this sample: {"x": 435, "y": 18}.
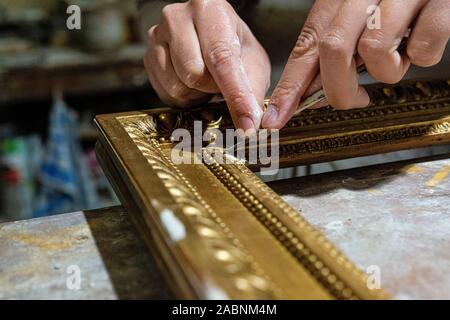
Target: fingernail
{"x": 246, "y": 124}
{"x": 270, "y": 116}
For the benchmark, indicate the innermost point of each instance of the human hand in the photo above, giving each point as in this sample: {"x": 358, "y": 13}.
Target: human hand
{"x": 203, "y": 48}
{"x": 324, "y": 54}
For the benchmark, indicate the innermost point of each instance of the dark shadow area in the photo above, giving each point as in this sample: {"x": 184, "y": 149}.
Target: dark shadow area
{"x": 131, "y": 268}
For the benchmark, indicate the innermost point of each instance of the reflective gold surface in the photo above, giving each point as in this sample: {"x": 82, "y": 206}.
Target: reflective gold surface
{"x": 219, "y": 231}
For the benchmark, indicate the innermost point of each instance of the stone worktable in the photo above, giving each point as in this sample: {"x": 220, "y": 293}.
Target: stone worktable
{"x": 39, "y": 257}
{"x": 392, "y": 220}
{"x": 393, "y": 216}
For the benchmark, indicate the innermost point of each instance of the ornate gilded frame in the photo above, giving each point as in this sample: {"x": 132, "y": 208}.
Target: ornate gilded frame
{"x": 220, "y": 232}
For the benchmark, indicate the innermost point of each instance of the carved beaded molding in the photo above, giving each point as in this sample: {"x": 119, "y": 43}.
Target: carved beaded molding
{"x": 150, "y": 131}
{"x": 394, "y": 101}
{"x": 292, "y": 241}
{"x": 200, "y": 215}
{"x": 143, "y": 134}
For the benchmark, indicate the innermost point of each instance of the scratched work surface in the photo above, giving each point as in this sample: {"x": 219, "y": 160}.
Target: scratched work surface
{"x": 35, "y": 256}
{"x": 396, "y": 217}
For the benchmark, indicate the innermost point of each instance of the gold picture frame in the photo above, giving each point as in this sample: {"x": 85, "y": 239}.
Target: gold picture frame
{"x": 220, "y": 232}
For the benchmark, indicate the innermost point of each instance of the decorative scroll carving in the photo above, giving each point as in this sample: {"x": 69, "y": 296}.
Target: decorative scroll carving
{"x": 410, "y": 97}
{"x": 359, "y": 138}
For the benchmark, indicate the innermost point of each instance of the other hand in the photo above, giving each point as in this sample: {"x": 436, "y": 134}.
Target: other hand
{"x": 202, "y": 48}
{"x": 337, "y": 30}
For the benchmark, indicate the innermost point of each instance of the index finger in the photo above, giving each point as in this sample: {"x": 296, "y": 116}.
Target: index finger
{"x": 221, "y": 48}
{"x": 302, "y": 66}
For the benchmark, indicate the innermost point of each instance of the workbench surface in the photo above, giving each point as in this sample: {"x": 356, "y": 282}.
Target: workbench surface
{"x": 394, "y": 216}
{"x": 40, "y": 257}
{"x": 392, "y": 220}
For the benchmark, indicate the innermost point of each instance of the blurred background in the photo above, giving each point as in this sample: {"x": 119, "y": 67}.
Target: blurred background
{"x": 53, "y": 81}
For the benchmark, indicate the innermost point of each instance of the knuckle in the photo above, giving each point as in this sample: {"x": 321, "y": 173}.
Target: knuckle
{"x": 372, "y": 48}
{"x": 197, "y": 3}
{"x": 177, "y": 91}
{"x": 307, "y": 43}
{"x": 201, "y": 4}
{"x": 220, "y": 53}
{"x": 287, "y": 88}
{"x": 388, "y": 79}
{"x": 167, "y": 12}
{"x": 286, "y": 92}
{"x": 333, "y": 45}
{"x": 422, "y": 53}
{"x": 393, "y": 76}
{"x": 236, "y": 100}
{"x": 171, "y": 16}
{"x": 339, "y": 102}
{"x": 151, "y": 33}
{"x": 193, "y": 74}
